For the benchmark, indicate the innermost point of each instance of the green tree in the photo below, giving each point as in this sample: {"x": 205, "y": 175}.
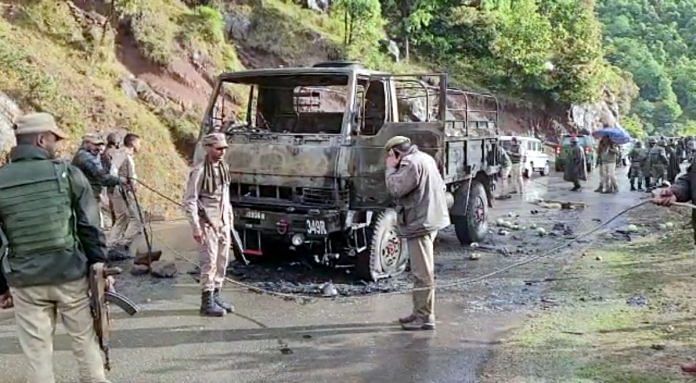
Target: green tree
{"x": 361, "y": 19}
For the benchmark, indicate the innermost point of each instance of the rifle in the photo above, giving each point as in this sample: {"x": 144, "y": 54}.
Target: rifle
{"x": 237, "y": 245}
{"x": 101, "y": 296}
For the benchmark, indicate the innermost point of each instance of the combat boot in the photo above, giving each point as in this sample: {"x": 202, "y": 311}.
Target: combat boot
{"x": 217, "y": 298}
{"x": 633, "y": 185}
{"x": 420, "y": 323}
{"x": 208, "y": 306}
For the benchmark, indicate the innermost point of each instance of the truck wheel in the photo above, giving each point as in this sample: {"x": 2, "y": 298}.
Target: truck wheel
{"x": 473, "y": 226}
{"x": 386, "y": 256}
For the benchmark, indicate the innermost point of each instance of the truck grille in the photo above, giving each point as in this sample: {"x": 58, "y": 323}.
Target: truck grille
{"x": 319, "y": 197}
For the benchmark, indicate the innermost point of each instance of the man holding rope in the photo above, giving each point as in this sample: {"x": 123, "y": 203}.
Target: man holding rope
{"x": 683, "y": 190}
{"x": 208, "y": 208}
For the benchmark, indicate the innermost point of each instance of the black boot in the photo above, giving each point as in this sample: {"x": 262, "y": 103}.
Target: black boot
{"x": 208, "y": 306}
{"x": 218, "y": 300}
{"x": 633, "y": 184}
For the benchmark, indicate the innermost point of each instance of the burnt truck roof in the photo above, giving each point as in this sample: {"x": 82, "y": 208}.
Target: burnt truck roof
{"x": 323, "y": 68}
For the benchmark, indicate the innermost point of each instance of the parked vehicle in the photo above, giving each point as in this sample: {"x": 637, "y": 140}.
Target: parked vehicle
{"x": 588, "y": 145}
{"x": 537, "y": 160}
{"x": 307, "y": 158}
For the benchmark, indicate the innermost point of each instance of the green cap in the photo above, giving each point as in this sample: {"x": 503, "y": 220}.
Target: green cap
{"x": 396, "y": 141}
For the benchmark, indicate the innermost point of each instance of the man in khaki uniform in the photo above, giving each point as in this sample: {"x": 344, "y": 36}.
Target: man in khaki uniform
{"x": 48, "y": 254}
{"x": 127, "y": 226}
{"x": 207, "y": 206}
{"x": 413, "y": 179}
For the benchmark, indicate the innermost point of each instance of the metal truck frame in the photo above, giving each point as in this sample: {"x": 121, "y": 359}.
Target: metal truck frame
{"x": 307, "y": 160}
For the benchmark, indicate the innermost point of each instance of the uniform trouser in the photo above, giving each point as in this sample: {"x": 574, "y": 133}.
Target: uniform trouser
{"x": 658, "y": 174}
{"x": 517, "y": 181}
{"x": 602, "y": 178}
{"x": 423, "y": 270}
{"x": 36, "y": 311}
{"x": 504, "y": 183}
{"x": 127, "y": 226}
{"x": 608, "y": 171}
{"x": 214, "y": 255}
{"x": 105, "y": 210}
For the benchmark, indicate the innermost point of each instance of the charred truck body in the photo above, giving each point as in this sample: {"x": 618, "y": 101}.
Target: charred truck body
{"x": 307, "y": 158}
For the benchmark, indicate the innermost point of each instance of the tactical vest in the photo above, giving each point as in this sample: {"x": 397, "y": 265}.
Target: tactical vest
{"x": 38, "y": 223}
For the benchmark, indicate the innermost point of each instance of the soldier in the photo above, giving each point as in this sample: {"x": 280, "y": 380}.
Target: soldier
{"x": 645, "y": 166}
{"x": 657, "y": 157}
{"x": 637, "y": 156}
{"x": 207, "y": 206}
{"x": 505, "y": 165}
{"x": 575, "y": 170}
{"x": 88, "y": 160}
{"x": 413, "y": 179}
{"x": 517, "y": 159}
{"x": 608, "y": 154}
{"x": 46, "y": 268}
{"x": 127, "y": 226}
{"x": 113, "y": 143}
{"x": 673, "y": 168}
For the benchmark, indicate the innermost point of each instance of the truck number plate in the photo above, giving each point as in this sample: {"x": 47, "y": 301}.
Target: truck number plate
{"x": 316, "y": 227}
{"x": 253, "y": 214}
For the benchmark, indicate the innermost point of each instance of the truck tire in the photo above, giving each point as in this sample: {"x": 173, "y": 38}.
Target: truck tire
{"x": 473, "y": 226}
{"x": 386, "y": 256}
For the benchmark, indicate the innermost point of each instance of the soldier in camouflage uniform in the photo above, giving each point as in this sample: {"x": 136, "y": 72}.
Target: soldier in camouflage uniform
{"x": 638, "y": 156}
{"x": 657, "y": 157}
{"x": 208, "y": 208}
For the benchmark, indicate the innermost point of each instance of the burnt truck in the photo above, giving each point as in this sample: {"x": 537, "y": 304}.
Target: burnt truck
{"x": 307, "y": 160}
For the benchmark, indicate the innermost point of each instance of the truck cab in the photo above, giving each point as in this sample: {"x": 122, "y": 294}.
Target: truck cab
{"x": 307, "y": 161}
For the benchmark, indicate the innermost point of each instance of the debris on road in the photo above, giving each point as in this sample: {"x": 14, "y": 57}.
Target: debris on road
{"x": 475, "y": 256}
{"x": 329, "y": 290}
{"x": 638, "y": 300}
{"x": 164, "y": 269}
{"x": 541, "y": 232}
{"x": 139, "y": 270}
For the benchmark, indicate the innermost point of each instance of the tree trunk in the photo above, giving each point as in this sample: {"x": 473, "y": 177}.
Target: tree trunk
{"x": 407, "y": 49}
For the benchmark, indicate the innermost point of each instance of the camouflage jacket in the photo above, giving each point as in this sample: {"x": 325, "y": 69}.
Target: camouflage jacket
{"x": 92, "y": 168}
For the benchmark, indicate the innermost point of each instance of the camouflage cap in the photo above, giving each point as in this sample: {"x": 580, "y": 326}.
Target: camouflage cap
{"x": 396, "y": 141}
{"x": 93, "y": 138}
{"x": 34, "y": 123}
{"x": 215, "y": 139}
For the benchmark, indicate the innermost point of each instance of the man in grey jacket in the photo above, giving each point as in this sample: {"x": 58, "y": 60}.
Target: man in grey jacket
{"x": 413, "y": 179}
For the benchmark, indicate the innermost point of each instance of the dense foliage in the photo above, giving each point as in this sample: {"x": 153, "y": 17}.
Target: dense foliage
{"x": 550, "y": 49}
{"x": 656, "y": 41}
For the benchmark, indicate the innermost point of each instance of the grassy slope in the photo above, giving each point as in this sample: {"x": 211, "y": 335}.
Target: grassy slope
{"x": 595, "y": 336}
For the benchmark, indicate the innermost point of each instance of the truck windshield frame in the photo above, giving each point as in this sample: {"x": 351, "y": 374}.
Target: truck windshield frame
{"x": 294, "y": 104}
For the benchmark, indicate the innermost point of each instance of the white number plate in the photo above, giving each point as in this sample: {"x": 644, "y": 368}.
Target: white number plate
{"x": 253, "y": 214}
{"x": 316, "y": 227}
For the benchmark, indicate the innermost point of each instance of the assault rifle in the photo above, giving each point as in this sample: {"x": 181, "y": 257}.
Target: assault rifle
{"x": 101, "y": 295}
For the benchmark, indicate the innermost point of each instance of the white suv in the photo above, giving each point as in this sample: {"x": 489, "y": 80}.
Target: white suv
{"x": 537, "y": 160}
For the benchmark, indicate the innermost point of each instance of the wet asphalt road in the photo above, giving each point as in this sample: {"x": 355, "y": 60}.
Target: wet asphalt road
{"x": 345, "y": 340}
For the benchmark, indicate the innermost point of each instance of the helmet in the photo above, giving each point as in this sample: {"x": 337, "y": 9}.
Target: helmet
{"x": 652, "y": 141}
{"x": 638, "y": 144}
